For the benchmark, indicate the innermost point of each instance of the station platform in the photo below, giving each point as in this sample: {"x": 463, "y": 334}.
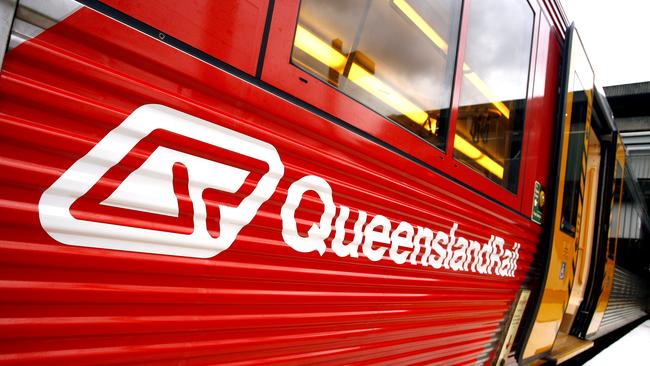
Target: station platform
{"x": 632, "y": 349}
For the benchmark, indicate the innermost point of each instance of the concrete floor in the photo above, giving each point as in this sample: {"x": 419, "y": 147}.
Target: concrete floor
{"x": 632, "y": 349}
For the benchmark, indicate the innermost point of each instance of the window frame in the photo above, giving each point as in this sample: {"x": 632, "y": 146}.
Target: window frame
{"x": 529, "y": 84}
{"x": 279, "y": 72}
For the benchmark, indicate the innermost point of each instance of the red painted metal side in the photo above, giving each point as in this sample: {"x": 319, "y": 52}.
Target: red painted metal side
{"x": 543, "y": 108}
{"x": 538, "y": 164}
{"x": 228, "y": 30}
{"x": 260, "y": 301}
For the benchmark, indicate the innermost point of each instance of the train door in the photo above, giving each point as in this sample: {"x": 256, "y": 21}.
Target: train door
{"x": 612, "y": 237}
{"x": 573, "y": 210}
{"x": 565, "y": 345}
{"x": 586, "y": 236}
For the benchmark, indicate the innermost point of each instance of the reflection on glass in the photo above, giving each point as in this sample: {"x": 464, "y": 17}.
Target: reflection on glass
{"x": 396, "y": 57}
{"x": 573, "y": 178}
{"x": 494, "y": 88}
{"x": 614, "y": 215}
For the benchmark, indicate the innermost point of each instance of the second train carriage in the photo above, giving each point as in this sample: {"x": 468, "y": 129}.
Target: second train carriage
{"x": 302, "y": 181}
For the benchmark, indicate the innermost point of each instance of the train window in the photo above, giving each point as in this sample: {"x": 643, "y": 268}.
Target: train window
{"x": 493, "y": 91}
{"x": 573, "y": 176}
{"x": 395, "y": 57}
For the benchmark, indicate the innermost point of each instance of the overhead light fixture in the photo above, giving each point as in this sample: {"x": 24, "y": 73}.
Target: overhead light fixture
{"x": 472, "y": 152}
{"x": 485, "y": 90}
{"x": 321, "y": 51}
{"x": 324, "y": 53}
{"x": 388, "y": 95}
{"x": 419, "y": 22}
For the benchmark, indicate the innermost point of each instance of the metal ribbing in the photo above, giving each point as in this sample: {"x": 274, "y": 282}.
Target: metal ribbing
{"x": 626, "y": 302}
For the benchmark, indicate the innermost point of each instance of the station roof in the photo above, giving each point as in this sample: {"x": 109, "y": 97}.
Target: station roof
{"x": 630, "y": 104}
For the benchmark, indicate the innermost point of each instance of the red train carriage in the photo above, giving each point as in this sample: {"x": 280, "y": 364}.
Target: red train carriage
{"x": 293, "y": 182}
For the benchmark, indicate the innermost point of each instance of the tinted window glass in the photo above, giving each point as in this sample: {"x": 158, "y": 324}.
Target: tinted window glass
{"x": 493, "y": 89}
{"x": 573, "y": 179}
{"x": 396, "y": 57}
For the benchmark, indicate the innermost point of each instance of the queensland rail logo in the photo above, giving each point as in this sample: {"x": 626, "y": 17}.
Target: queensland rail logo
{"x": 166, "y": 182}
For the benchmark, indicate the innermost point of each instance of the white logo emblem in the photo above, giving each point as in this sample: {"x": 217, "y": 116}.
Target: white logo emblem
{"x": 152, "y": 185}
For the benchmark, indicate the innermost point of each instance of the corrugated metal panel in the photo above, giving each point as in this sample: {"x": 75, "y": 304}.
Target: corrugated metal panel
{"x": 626, "y": 303}
{"x": 640, "y": 164}
{"x": 627, "y": 89}
{"x": 630, "y": 221}
{"x": 259, "y": 302}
